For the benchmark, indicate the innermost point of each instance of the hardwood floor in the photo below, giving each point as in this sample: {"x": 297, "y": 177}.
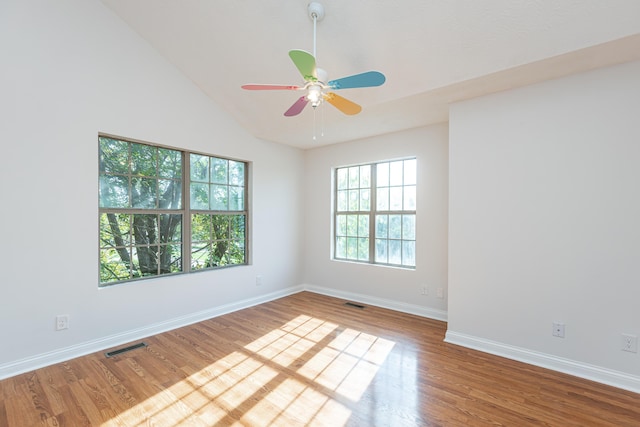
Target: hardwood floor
{"x": 308, "y": 359}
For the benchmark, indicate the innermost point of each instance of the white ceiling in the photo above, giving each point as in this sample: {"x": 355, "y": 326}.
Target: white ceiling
{"x": 433, "y": 52}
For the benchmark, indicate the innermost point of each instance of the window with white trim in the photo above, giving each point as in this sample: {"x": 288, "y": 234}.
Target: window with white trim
{"x": 375, "y": 213}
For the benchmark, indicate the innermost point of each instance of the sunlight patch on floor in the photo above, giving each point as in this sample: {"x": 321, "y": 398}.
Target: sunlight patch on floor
{"x": 250, "y": 384}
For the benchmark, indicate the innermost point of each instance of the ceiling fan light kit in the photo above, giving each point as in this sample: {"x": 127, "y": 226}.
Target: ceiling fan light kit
{"x": 316, "y": 87}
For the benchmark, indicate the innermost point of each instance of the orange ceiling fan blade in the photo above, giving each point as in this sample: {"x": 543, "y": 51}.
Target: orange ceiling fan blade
{"x": 347, "y": 107}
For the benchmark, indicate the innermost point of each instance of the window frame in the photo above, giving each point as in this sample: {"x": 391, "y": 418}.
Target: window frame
{"x": 185, "y": 211}
{"x": 372, "y": 215}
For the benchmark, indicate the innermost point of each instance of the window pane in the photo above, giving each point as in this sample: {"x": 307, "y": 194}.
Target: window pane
{"x": 170, "y": 257}
{"x": 144, "y": 160}
{"x": 145, "y": 229}
{"x": 170, "y": 192}
{"x": 381, "y": 251}
{"x": 365, "y": 202}
{"x": 382, "y": 226}
{"x": 342, "y": 178}
{"x": 395, "y": 173}
{"x": 395, "y": 226}
{"x": 354, "y": 198}
{"x": 236, "y": 198}
{"x": 114, "y": 156}
{"x": 114, "y": 191}
{"x": 199, "y": 196}
{"x": 199, "y": 168}
{"x": 201, "y": 256}
{"x": 200, "y": 228}
{"x": 237, "y": 226}
{"x": 410, "y": 172}
{"x": 236, "y": 173}
{"x": 395, "y": 198}
{"x": 144, "y": 193}
{"x": 382, "y": 174}
{"x": 219, "y": 171}
{"x": 365, "y": 176}
{"x": 219, "y": 197}
{"x": 410, "y": 198}
{"x": 352, "y": 248}
{"x": 342, "y": 201}
{"x": 395, "y": 252}
{"x": 341, "y": 225}
{"x": 236, "y": 252}
{"x": 115, "y": 230}
{"x": 220, "y": 224}
{"x": 145, "y": 261}
{"x": 169, "y": 163}
{"x": 409, "y": 227}
{"x": 114, "y": 266}
{"x": 352, "y": 225}
{"x": 363, "y": 225}
{"x": 363, "y": 249}
{"x": 341, "y": 247}
{"x": 409, "y": 253}
{"x": 382, "y": 202}
{"x": 170, "y": 228}
{"x": 354, "y": 177}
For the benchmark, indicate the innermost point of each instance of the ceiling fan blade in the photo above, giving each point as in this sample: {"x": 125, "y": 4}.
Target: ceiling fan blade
{"x": 270, "y": 87}
{"x": 306, "y": 64}
{"x": 342, "y": 104}
{"x": 297, "y": 107}
{"x": 368, "y": 79}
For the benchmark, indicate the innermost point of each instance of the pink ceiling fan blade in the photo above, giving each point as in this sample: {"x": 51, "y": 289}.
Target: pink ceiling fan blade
{"x": 297, "y": 107}
{"x": 270, "y": 87}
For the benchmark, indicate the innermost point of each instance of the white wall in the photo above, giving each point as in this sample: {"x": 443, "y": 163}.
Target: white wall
{"x": 390, "y": 287}
{"x": 544, "y": 223}
{"x": 71, "y": 69}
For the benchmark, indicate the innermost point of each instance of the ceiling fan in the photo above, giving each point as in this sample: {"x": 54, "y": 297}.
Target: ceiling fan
{"x": 316, "y": 87}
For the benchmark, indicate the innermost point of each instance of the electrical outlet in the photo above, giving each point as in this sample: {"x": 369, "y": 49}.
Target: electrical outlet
{"x": 62, "y": 322}
{"x": 424, "y": 290}
{"x": 440, "y": 293}
{"x": 630, "y": 343}
{"x": 558, "y": 329}
{"x": 258, "y": 280}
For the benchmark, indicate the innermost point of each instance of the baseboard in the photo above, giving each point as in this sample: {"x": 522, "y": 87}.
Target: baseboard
{"x": 61, "y": 355}
{"x": 380, "y": 302}
{"x": 567, "y": 366}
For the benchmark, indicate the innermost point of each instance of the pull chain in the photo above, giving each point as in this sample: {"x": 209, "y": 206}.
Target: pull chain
{"x": 322, "y": 120}
{"x": 314, "y": 124}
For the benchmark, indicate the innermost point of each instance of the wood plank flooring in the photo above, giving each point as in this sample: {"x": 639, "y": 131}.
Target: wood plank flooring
{"x": 308, "y": 360}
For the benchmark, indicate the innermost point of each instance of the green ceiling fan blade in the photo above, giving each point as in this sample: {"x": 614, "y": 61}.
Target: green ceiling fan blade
{"x": 306, "y": 64}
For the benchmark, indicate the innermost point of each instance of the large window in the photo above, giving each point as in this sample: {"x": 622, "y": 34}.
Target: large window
{"x": 375, "y": 213}
{"x": 150, "y": 226}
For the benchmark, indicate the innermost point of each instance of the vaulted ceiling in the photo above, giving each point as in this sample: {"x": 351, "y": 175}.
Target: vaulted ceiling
{"x": 432, "y": 52}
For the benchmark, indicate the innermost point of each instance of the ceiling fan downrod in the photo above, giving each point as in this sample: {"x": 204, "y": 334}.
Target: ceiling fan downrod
{"x": 316, "y": 13}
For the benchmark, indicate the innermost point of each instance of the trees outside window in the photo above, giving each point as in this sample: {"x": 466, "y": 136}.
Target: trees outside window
{"x": 375, "y": 213}
{"x": 145, "y": 215}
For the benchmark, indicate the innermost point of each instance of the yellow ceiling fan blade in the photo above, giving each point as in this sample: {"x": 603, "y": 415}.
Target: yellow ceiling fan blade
{"x": 342, "y": 104}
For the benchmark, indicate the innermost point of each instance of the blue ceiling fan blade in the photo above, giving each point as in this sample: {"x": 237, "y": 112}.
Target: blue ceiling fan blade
{"x": 368, "y": 79}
